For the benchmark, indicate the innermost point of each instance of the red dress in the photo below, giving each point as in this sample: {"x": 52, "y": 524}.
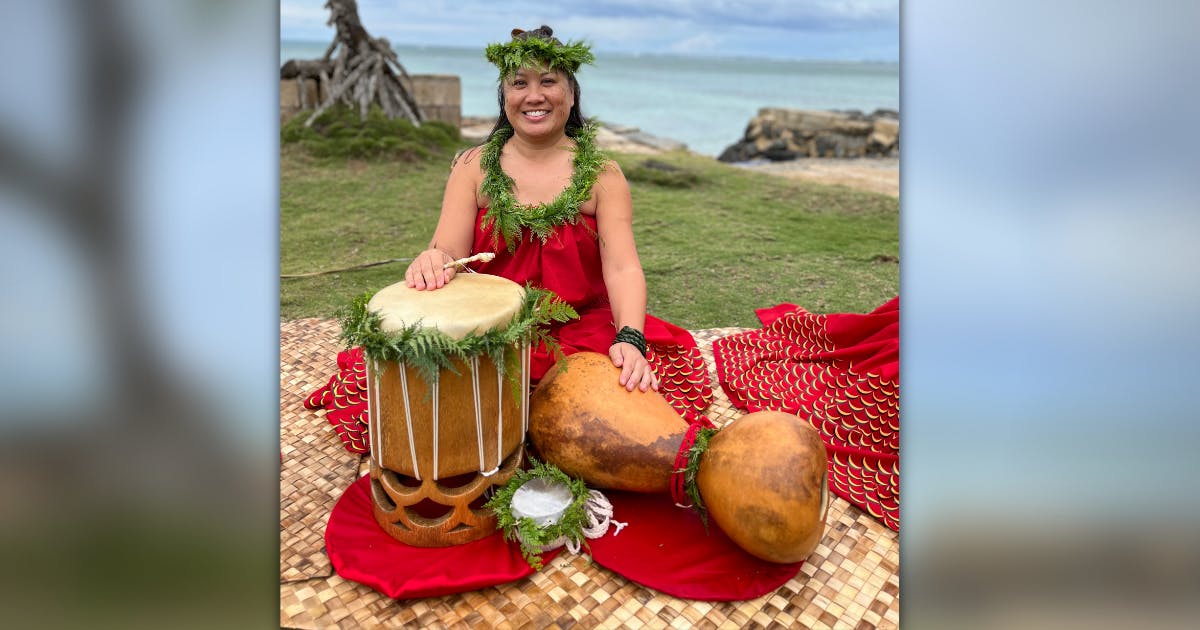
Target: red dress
{"x": 568, "y": 264}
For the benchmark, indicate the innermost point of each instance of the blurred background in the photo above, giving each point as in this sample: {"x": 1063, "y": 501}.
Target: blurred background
{"x": 1049, "y": 273}
{"x": 139, "y": 258}
{"x": 1049, "y": 227}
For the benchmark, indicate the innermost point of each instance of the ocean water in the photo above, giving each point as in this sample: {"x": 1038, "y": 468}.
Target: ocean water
{"x": 703, "y": 102}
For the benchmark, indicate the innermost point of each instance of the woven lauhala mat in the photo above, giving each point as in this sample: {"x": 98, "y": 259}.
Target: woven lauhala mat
{"x": 850, "y": 581}
{"x": 315, "y": 467}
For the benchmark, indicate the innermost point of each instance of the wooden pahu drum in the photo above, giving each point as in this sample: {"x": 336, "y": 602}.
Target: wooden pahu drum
{"x": 438, "y": 445}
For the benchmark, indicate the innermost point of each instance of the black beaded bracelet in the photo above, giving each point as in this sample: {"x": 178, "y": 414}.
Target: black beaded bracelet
{"x": 633, "y": 337}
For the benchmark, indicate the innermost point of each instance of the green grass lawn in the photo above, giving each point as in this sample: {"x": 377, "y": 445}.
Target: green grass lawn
{"x": 716, "y": 241}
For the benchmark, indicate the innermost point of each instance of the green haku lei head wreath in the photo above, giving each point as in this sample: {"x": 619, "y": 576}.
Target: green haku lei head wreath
{"x": 430, "y": 350}
{"x": 534, "y": 538}
{"x": 538, "y": 49}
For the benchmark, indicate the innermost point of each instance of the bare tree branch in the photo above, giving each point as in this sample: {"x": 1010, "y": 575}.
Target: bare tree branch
{"x": 365, "y": 70}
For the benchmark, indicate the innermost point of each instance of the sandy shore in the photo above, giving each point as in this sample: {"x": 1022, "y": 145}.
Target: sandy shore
{"x": 877, "y": 175}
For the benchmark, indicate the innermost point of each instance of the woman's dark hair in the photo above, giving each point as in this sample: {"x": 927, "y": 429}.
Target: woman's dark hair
{"x": 575, "y": 119}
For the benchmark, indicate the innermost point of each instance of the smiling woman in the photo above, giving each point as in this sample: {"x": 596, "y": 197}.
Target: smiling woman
{"x": 539, "y": 102}
{"x": 558, "y": 215}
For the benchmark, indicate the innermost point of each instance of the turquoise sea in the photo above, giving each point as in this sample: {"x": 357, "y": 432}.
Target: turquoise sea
{"x": 702, "y": 101}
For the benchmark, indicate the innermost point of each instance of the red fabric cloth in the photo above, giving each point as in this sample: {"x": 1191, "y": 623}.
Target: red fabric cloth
{"x": 361, "y": 551}
{"x": 663, "y": 547}
{"x": 841, "y": 373}
{"x": 666, "y": 548}
{"x": 344, "y": 399}
{"x": 568, "y": 263}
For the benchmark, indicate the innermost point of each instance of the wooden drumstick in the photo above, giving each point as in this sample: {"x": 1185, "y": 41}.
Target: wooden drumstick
{"x": 462, "y": 262}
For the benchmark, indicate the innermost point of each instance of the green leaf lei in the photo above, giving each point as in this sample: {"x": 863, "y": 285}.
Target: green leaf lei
{"x": 430, "y": 350}
{"x": 510, "y": 217}
{"x": 535, "y": 52}
{"x": 532, "y": 537}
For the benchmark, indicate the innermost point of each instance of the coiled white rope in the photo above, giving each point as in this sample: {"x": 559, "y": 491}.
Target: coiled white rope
{"x": 598, "y": 512}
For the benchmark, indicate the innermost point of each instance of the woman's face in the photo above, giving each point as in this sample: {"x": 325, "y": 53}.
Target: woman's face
{"x": 538, "y": 103}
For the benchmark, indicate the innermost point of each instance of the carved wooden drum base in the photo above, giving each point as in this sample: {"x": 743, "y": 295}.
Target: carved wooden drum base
{"x": 428, "y": 513}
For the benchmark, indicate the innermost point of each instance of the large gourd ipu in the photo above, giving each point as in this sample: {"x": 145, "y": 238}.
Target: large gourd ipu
{"x": 763, "y": 480}
{"x": 587, "y": 424}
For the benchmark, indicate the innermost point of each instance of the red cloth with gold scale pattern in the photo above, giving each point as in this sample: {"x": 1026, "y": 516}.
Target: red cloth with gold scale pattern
{"x": 568, "y": 264}
{"x": 841, "y": 373}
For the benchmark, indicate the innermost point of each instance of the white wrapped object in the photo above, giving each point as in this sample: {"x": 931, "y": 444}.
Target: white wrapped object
{"x": 545, "y": 500}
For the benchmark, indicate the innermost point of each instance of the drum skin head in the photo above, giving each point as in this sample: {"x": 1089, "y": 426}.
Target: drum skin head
{"x": 469, "y": 303}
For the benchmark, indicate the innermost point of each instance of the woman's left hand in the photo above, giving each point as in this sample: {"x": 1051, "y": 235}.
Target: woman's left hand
{"x": 635, "y": 369}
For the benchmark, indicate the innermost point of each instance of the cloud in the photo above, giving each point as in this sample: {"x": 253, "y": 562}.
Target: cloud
{"x": 304, "y": 20}
{"x": 614, "y": 32}
{"x": 859, "y": 29}
{"x": 782, "y": 14}
{"x": 699, "y": 43}
{"x": 303, "y": 14}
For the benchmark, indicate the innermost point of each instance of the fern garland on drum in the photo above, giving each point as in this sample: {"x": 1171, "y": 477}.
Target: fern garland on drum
{"x": 534, "y": 538}
{"x": 429, "y": 351}
{"x": 511, "y": 217}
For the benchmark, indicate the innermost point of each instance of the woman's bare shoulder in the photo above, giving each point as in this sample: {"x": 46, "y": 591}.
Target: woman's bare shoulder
{"x": 467, "y": 159}
{"x": 611, "y": 176}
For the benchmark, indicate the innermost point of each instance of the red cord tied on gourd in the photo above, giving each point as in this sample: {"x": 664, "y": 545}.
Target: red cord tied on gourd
{"x": 687, "y": 462}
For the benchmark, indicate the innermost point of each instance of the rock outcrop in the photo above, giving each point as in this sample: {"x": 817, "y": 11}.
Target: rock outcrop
{"x": 786, "y": 134}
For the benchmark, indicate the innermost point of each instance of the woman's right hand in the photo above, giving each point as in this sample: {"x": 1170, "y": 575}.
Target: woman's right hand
{"x": 426, "y": 270}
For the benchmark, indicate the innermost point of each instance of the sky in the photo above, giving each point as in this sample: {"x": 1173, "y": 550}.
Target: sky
{"x": 845, "y": 30}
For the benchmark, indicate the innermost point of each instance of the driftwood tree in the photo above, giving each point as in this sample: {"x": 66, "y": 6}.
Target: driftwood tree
{"x": 357, "y": 69}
